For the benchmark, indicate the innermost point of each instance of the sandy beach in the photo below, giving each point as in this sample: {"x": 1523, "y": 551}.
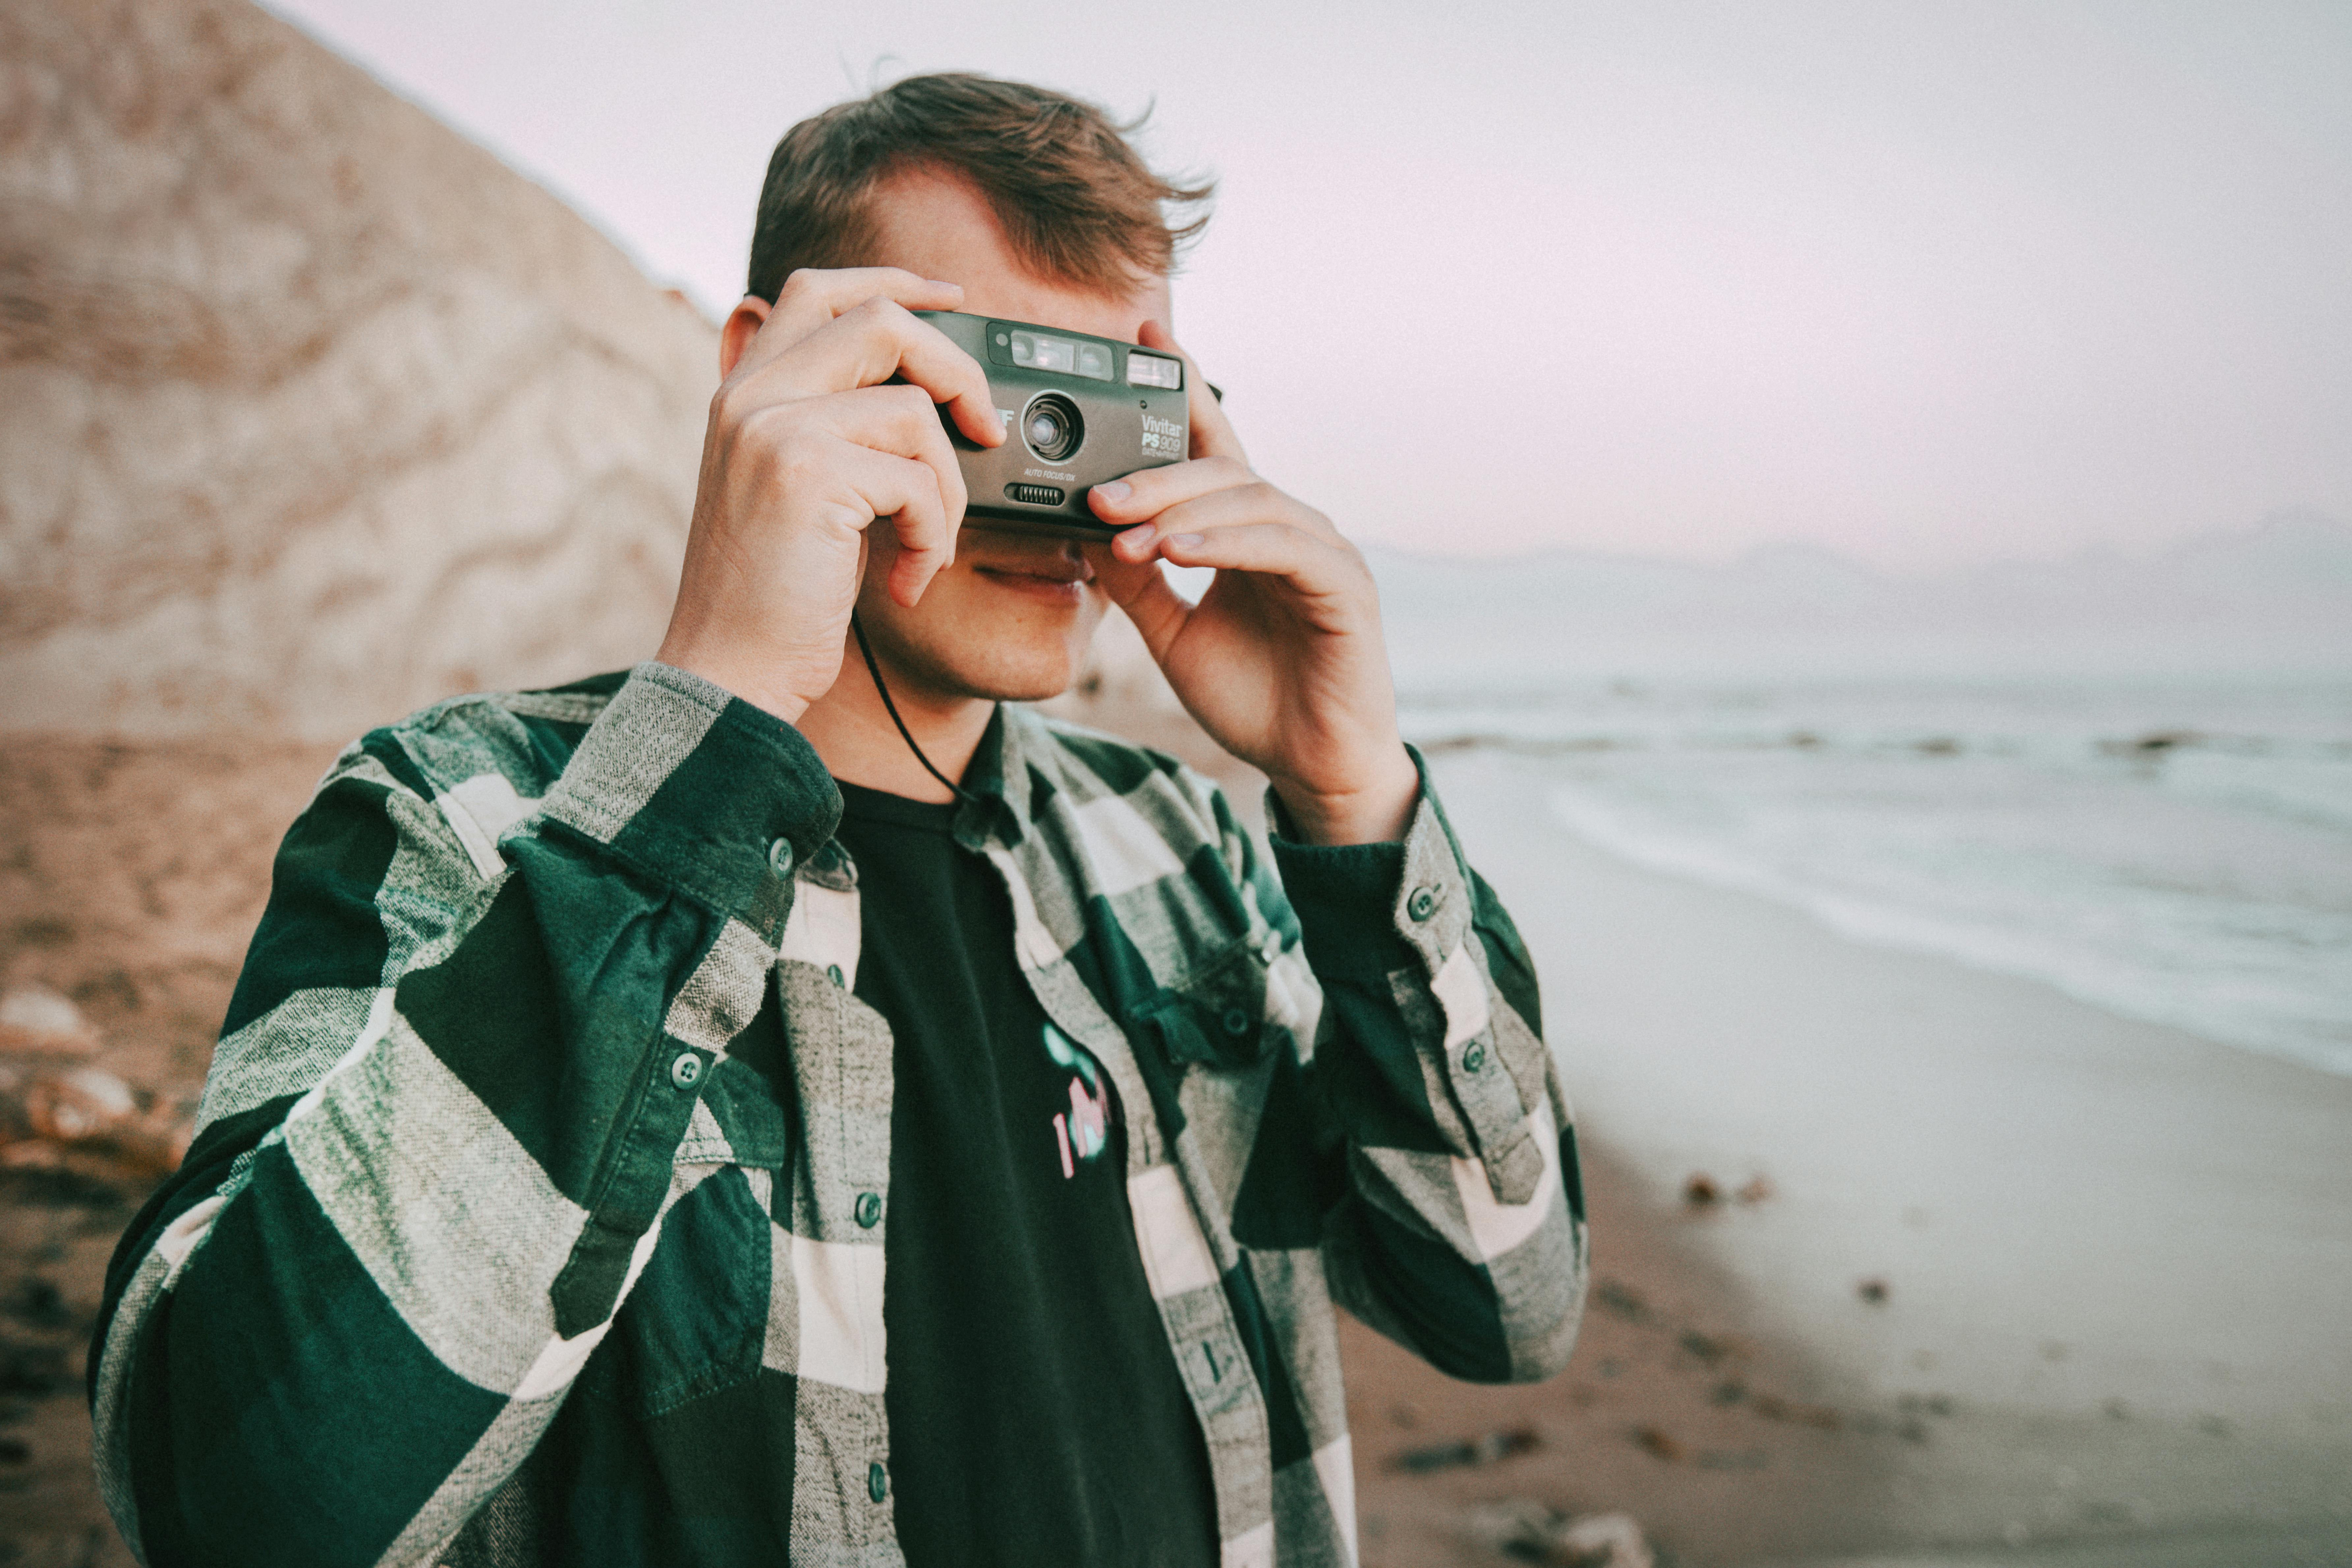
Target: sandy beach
{"x": 2115, "y": 1256}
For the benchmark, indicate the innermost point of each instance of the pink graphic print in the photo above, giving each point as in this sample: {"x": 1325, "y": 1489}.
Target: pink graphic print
{"x": 1082, "y": 1132}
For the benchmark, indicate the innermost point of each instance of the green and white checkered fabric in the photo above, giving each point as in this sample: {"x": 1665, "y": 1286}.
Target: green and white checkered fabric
{"x": 538, "y": 1207}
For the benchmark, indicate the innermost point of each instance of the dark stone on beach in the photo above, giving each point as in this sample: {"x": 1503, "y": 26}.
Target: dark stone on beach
{"x": 42, "y": 931}
{"x": 1622, "y": 1299}
{"x": 1700, "y": 1191}
{"x": 1486, "y": 1450}
{"x": 1707, "y": 1350}
{"x": 1939, "y": 746}
{"x": 65, "y": 1187}
{"x": 38, "y": 1304}
{"x": 34, "y": 1371}
{"x": 2155, "y": 743}
{"x": 1658, "y": 1443}
{"x": 1728, "y": 1393}
{"x": 1873, "y": 1291}
{"x": 15, "y": 1451}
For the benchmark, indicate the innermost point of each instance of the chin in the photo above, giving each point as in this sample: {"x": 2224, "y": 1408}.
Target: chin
{"x": 1026, "y": 675}
{"x": 1002, "y": 663}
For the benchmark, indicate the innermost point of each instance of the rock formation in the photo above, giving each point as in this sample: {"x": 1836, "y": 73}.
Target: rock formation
{"x": 311, "y": 411}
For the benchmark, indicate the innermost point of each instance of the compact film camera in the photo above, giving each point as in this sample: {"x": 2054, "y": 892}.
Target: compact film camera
{"x": 1078, "y": 411}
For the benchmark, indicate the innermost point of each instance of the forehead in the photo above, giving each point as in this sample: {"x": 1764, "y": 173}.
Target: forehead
{"x": 939, "y": 227}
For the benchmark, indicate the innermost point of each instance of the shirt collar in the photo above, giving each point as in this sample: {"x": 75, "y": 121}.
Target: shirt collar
{"x": 996, "y": 784}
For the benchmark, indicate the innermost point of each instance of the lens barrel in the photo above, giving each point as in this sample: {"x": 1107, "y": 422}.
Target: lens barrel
{"x": 1051, "y": 428}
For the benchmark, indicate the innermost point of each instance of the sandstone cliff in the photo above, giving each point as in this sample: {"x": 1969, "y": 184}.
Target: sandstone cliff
{"x": 310, "y": 410}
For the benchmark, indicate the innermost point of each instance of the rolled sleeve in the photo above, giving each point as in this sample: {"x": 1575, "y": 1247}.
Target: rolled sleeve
{"x": 702, "y": 790}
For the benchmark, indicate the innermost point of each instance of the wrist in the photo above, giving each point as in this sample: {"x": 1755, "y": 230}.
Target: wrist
{"x": 1376, "y": 810}
{"x": 738, "y": 677}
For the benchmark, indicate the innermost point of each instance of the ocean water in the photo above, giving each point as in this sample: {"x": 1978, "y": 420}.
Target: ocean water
{"x": 2178, "y": 851}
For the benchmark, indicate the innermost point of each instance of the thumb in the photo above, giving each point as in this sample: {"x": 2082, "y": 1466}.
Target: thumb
{"x": 1142, "y": 590}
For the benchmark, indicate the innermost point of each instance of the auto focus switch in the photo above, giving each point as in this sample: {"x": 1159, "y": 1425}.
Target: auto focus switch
{"x": 1033, "y": 495}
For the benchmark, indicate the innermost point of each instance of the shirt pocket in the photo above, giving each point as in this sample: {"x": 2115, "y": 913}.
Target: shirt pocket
{"x": 745, "y": 1126}
{"x": 696, "y": 1324}
{"x": 1213, "y": 1014}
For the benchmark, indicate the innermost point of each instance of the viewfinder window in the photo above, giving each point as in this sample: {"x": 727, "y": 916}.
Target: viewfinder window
{"x": 1150, "y": 370}
{"x": 1036, "y": 351}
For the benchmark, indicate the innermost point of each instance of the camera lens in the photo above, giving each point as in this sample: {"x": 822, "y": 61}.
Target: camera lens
{"x": 1052, "y": 429}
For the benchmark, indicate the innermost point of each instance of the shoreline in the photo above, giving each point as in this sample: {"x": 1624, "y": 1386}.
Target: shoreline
{"x": 2122, "y": 1250}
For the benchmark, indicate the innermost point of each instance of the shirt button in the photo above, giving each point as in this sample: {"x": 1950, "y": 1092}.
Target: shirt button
{"x": 832, "y": 973}
{"x": 780, "y": 857}
{"x": 1422, "y": 904}
{"x": 1236, "y": 1022}
{"x": 877, "y": 1482}
{"x": 869, "y": 1214}
{"x": 1475, "y": 1058}
{"x": 686, "y": 1072}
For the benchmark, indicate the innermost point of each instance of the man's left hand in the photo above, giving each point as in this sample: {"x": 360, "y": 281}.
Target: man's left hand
{"x": 1282, "y": 660}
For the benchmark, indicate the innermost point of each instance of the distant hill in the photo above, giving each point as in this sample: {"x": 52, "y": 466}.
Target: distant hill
{"x": 310, "y": 410}
{"x": 2273, "y": 597}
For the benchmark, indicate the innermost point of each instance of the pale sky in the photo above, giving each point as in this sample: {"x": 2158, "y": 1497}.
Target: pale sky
{"x": 1929, "y": 284}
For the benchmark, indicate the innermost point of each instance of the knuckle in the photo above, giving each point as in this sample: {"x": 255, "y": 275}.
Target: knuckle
{"x": 795, "y": 453}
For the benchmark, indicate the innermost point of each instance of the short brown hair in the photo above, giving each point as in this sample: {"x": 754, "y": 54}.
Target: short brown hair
{"x": 1077, "y": 202}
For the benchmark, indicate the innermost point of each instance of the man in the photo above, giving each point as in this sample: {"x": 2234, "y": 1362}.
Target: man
{"x": 662, "y": 1121}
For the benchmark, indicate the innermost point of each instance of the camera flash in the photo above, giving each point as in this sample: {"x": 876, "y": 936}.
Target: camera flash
{"x": 1150, "y": 370}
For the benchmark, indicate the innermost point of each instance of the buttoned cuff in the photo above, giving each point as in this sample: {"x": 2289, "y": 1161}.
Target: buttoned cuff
{"x": 1401, "y": 915}
{"x": 694, "y": 787}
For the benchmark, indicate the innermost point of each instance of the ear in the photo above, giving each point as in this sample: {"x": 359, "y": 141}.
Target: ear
{"x": 741, "y": 327}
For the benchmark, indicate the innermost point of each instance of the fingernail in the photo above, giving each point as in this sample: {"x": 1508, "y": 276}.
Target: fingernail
{"x": 1139, "y": 534}
{"x": 1184, "y": 541}
{"x": 1116, "y": 491}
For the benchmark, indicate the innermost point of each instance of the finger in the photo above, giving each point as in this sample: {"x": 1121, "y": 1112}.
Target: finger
{"x": 1147, "y": 492}
{"x": 813, "y": 296}
{"x": 1213, "y": 433}
{"x": 1144, "y": 592}
{"x": 868, "y": 344}
{"x": 907, "y": 493}
{"x": 901, "y": 420}
{"x": 1310, "y": 564}
{"x": 1237, "y": 507}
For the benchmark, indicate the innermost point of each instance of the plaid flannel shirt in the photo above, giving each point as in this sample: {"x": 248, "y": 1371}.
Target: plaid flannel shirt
{"x": 538, "y": 1204}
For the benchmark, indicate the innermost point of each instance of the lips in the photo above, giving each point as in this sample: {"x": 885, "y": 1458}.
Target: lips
{"x": 1057, "y": 573}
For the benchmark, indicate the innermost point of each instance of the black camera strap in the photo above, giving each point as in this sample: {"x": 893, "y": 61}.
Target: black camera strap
{"x": 875, "y": 671}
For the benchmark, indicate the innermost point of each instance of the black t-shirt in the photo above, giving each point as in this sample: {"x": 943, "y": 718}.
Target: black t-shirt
{"x": 1037, "y": 1415}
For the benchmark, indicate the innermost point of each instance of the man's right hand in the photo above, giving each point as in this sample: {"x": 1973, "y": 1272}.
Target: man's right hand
{"x": 805, "y": 448}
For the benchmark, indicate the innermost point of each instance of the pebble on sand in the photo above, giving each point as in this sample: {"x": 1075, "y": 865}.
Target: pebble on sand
{"x": 1533, "y": 1532}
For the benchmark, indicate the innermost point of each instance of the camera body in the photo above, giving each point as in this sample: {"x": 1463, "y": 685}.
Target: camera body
{"x": 1078, "y": 411}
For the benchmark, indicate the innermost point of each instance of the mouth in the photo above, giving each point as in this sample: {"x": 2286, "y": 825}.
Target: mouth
{"x": 1059, "y": 580}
